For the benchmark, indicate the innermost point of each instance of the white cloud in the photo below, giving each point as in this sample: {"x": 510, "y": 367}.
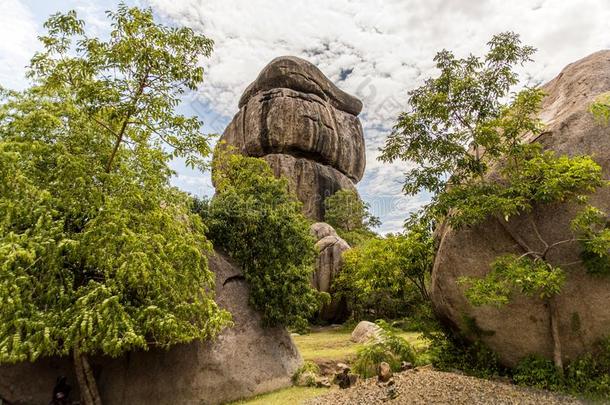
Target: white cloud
{"x": 18, "y": 42}
{"x": 387, "y": 45}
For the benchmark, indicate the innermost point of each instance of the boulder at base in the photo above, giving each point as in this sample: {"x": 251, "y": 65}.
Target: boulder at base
{"x": 522, "y": 327}
{"x": 328, "y": 265}
{"x": 244, "y": 360}
{"x": 365, "y": 331}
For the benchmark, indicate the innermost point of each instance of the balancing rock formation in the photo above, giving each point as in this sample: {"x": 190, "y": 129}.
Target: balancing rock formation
{"x": 305, "y": 127}
{"x": 308, "y": 131}
{"x": 245, "y": 360}
{"x": 522, "y": 327}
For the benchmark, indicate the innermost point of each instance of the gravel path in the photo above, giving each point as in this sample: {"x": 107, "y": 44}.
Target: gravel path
{"x": 426, "y": 386}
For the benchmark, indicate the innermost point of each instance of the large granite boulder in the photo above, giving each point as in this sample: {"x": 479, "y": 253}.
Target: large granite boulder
{"x": 244, "y": 360}
{"x": 310, "y": 181}
{"x": 329, "y": 262}
{"x": 522, "y": 327}
{"x": 305, "y": 126}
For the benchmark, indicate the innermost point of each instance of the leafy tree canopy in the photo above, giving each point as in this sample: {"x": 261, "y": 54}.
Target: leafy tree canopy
{"x": 98, "y": 254}
{"x": 472, "y": 145}
{"x": 387, "y": 276}
{"x": 350, "y": 216}
{"x": 260, "y": 225}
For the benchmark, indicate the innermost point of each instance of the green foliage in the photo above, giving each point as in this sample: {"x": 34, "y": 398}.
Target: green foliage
{"x": 532, "y": 277}
{"x": 528, "y": 177}
{"x": 538, "y": 372}
{"x": 97, "y": 251}
{"x": 386, "y": 278}
{"x": 260, "y": 225}
{"x": 420, "y": 318}
{"x": 451, "y": 130}
{"x": 592, "y": 229}
{"x": 308, "y": 367}
{"x": 350, "y": 216}
{"x": 390, "y": 348}
{"x": 472, "y": 153}
{"x": 588, "y": 376}
{"x": 449, "y": 352}
{"x": 601, "y": 108}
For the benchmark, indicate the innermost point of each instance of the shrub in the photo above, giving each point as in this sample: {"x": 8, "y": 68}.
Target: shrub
{"x": 587, "y": 376}
{"x": 386, "y": 278}
{"x": 310, "y": 368}
{"x": 390, "y": 348}
{"x": 350, "y": 217}
{"x": 450, "y": 350}
{"x": 259, "y": 224}
{"x": 536, "y": 371}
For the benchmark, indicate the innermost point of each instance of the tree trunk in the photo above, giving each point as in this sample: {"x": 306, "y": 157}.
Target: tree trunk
{"x": 554, "y": 319}
{"x": 86, "y": 381}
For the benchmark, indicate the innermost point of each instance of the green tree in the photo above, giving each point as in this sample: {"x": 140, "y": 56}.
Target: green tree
{"x": 601, "y": 108}
{"x": 260, "y": 225}
{"x": 98, "y": 254}
{"x": 350, "y": 216}
{"x": 472, "y": 156}
{"x": 387, "y": 276}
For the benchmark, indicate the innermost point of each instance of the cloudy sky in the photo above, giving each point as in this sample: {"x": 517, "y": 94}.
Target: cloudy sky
{"x": 374, "y": 49}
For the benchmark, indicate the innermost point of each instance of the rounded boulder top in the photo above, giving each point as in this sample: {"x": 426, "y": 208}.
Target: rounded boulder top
{"x": 298, "y": 74}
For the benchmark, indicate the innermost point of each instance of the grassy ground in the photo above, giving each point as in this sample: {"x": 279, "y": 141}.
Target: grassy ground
{"x": 320, "y": 345}
{"x": 335, "y": 344}
{"x": 286, "y": 396}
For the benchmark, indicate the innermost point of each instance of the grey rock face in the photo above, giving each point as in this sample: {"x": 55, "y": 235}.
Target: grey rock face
{"x": 244, "y": 360}
{"x": 311, "y": 181}
{"x": 306, "y": 128}
{"x": 522, "y": 327}
{"x": 298, "y": 74}
{"x": 328, "y": 265}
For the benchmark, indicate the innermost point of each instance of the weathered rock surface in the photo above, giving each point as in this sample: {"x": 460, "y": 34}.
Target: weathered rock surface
{"x": 286, "y": 121}
{"x": 292, "y": 109}
{"x": 245, "y": 360}
{"x": 365, "y": 331}
{"x": 328, "y": 265}
{"x": 384, "y": 372}
{"x": 522, "y": 327}
{"x": 311, "y": 181}
{"x": 296, "y": 73}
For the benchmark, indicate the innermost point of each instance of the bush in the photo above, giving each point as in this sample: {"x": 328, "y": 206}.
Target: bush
{"x": 450, "y": 350}
{"x": 350, "y": 217}
{"x": 391, "y": 349}
{"x": 386, "y": 278}
{"x": 587, "y": 376}
{"x": 310, "y": 368}
{"x": 537, "y": 371}
{"x": 259, "y": 224}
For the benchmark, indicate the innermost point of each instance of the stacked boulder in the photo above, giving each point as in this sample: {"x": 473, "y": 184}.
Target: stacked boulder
{"x": 305, "y": 127}
{"x": 522, "y": 327}
{"x": 308, "y": 131}
{"x": 328, "y": 264}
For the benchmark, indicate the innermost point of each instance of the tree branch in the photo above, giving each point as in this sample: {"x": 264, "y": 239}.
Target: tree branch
{"x": 131, "y": 110}
{"x": 522, "y": 244}
{"x": 537, "y": 232}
